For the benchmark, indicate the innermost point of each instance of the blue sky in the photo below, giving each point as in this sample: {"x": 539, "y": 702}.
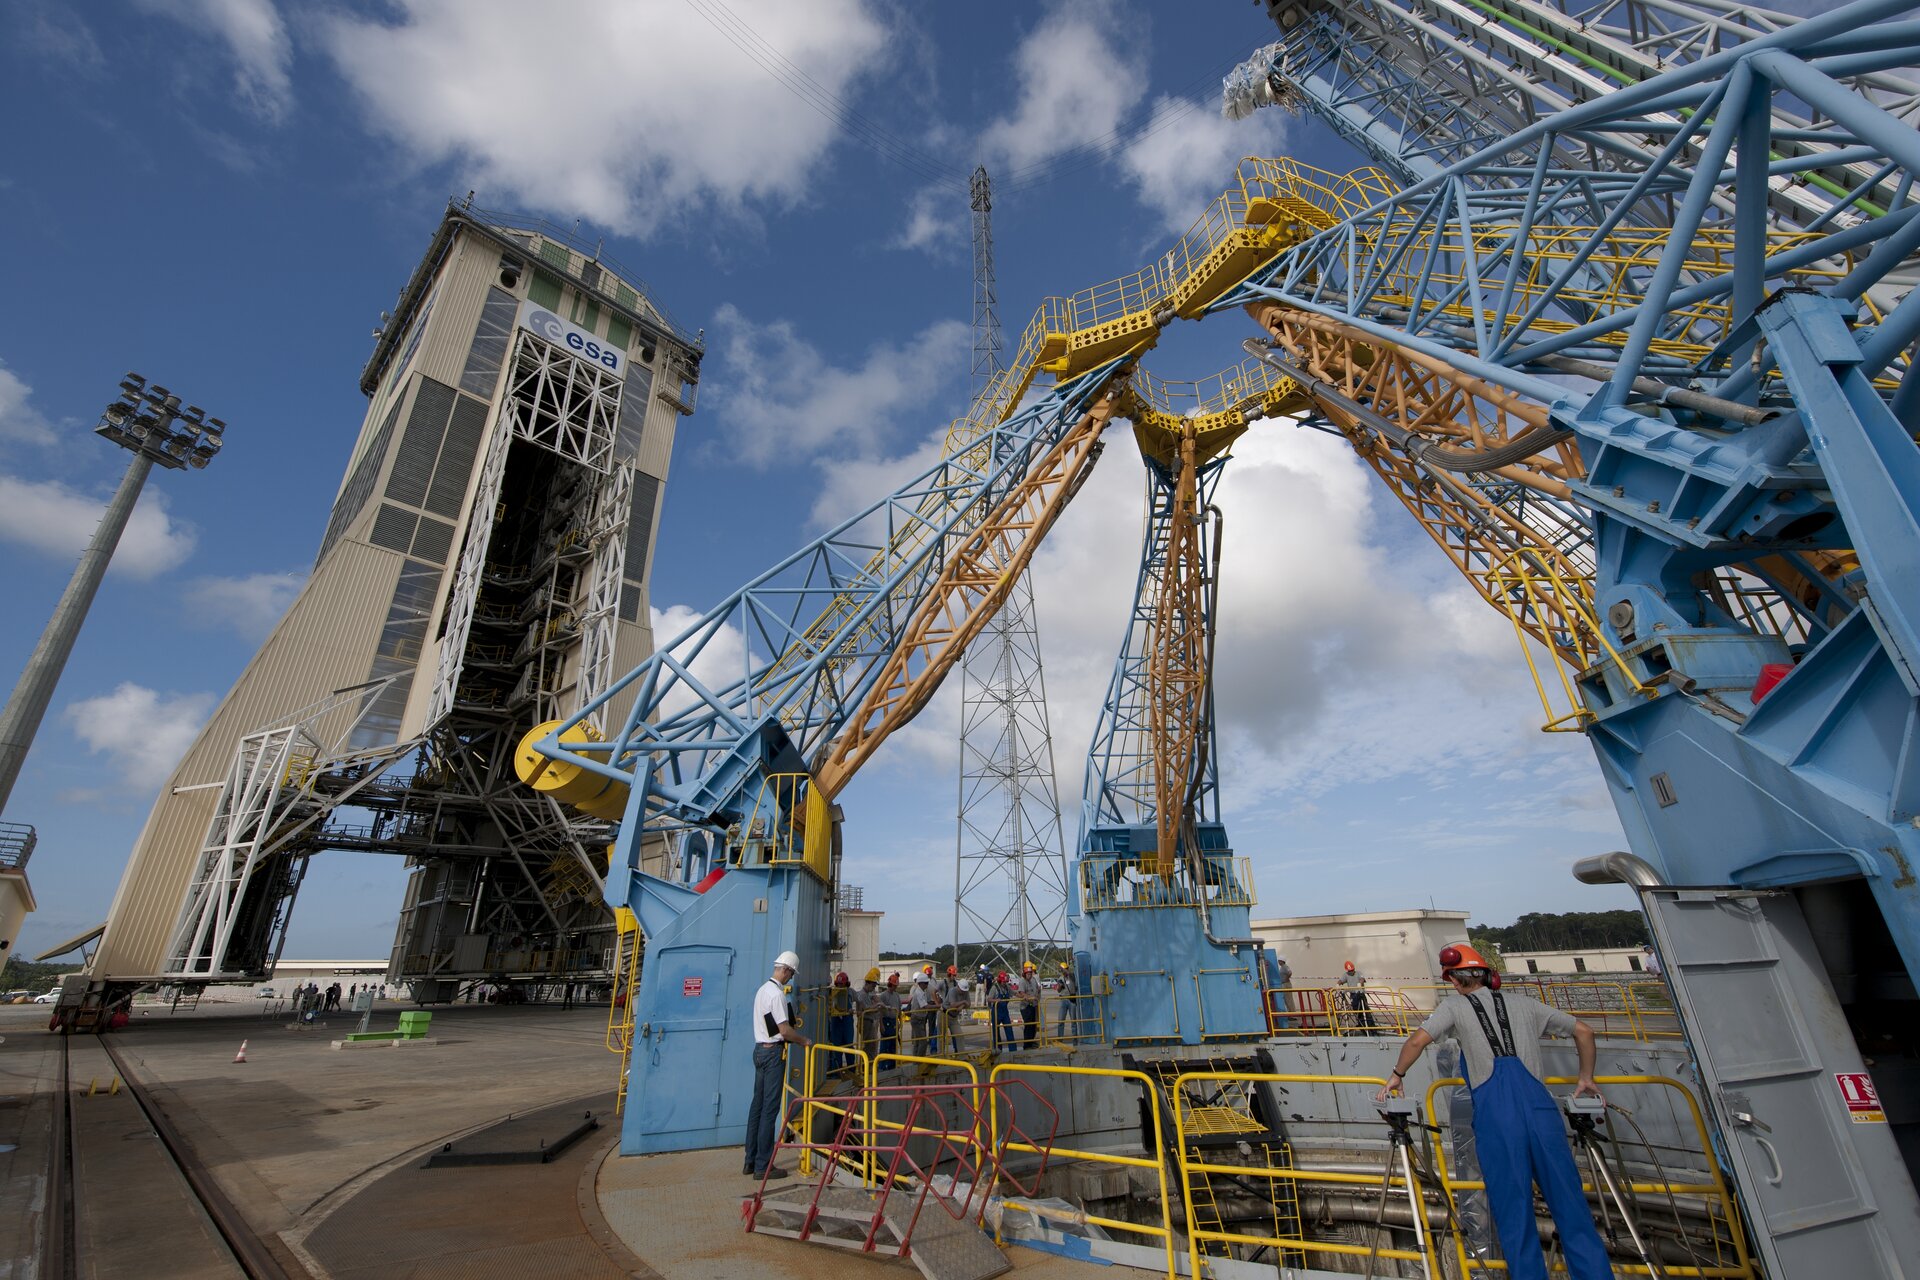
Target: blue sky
{"x": 224, "y": 194}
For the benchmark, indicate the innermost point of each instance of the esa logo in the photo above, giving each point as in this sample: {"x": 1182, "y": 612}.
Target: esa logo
{"x": 593, "y": 350}
{"x": 579, "y": 341}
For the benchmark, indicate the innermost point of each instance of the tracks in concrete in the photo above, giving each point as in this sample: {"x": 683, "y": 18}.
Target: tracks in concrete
{"x": 126, "y": 1192}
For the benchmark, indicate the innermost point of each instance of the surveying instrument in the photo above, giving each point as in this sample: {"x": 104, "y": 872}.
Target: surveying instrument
{"x": 1584, "y": 1116}
{"x": 1399, "y": 1115}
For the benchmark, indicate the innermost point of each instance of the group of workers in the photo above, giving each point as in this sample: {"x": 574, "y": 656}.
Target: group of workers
{"x": 937, "y": 1009}
{"x": 1517, "y": 1122}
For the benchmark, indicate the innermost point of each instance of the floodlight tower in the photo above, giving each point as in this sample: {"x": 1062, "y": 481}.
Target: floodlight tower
{"x": 1010, "y": 875}
{"x": 149, "y": 422}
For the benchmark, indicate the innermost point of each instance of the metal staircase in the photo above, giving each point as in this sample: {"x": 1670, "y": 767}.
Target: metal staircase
{"x": 879, "y": 1178}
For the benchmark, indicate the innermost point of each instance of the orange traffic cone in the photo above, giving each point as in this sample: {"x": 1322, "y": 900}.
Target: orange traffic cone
{"x": 242, "y": 1055}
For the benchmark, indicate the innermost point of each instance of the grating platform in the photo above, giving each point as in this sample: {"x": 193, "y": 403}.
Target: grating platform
{"x": 942, "y": 1247}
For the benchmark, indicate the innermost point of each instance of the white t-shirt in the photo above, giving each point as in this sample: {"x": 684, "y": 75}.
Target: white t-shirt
{"x": 770, "y": 1010}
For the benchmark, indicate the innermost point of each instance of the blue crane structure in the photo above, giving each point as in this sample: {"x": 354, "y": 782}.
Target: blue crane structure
{"x": 1624, "y": 318}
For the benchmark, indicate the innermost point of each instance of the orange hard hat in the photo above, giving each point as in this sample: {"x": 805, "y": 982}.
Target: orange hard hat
{"x": 1000, "y": 976}
{"x": 951, "y": 971}
{"x": 841, "y": 980}
{"x": 1349, "y": 966}
{"x": 926, "y": 968}
{"x": 1461, "y": 956}
{"x": 893, "y": 979}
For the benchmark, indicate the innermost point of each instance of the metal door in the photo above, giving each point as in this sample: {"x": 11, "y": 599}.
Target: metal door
{"x": 678, "y": 1109}
{"x": 1825, "y": 1191}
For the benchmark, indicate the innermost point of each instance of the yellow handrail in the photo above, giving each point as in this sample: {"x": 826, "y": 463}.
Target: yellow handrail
{"x": 1158, "y": 1163}
{"x": 1190, "y": 1165}
{"x": 1716, "y": 1189}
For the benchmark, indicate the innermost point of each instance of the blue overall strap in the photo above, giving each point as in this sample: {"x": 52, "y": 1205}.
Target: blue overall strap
{"x": 1502, "y": 1048}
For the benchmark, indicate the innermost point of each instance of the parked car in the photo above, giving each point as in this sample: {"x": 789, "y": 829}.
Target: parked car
{"x": 47, "y": 997}
{"x": 266, "y": 993}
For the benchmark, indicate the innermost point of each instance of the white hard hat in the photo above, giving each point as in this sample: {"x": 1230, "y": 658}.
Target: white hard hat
{"x": 921, "y": 979}
{"x": 787, "y": 960}
{"x": 965, "y": 985}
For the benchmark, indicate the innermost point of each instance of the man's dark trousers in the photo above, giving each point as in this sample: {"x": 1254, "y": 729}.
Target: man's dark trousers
{"x": 763, "y": 1114}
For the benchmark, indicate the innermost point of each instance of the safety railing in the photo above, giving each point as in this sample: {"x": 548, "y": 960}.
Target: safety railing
{"x": 1077, "y": 1020}
{"x": 1190, "y": 1163}
{"x": 1708, "y": 1192}
{"x": 1627, "y": 1010}
{"x": 626, "y": 980}
{"x": 788, "y": 826}
{"x": 1342, "y": 1011}
{"x": 822, "y": 1063}
{"x": 1117, "y": 881}
{"x": 1154, "y": 1160}
{"x": 911, "y": 1155}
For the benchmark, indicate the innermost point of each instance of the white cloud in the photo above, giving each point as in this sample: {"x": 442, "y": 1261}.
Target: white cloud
{"x": 51, "y": 518}
{"x": 1078, "y": 80}
{"x": 720, "y": 663}
{"x": 256, "y": 39}
{"x": 936, "y": 222}
{"x": 633, "y": 115}
{"x": 52, "y": 30}
{"x": 19, "y": 420}
{"x": 250, "y": 604}
{"x": 1337, "y": 662}
{"x": 779, "y": 397}
{"x": 142, "y": 731}
{"x": 1186, "y": 155}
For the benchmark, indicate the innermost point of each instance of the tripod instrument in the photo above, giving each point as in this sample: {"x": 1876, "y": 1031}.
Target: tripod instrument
{"x": 1583, "y": 1117}
{"x": 1399, "y": 1115}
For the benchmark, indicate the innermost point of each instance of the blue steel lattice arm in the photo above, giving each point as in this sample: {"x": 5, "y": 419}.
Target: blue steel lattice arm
{"x": 1773, "y": 524}
{"x": 1423, "y": 84}
{"x": 805, "y": 641}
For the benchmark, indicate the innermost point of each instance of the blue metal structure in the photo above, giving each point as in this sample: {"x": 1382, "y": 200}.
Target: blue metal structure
{"x": 731, "y": 753}
{"x": 1695, "y": 284}
{"x": 1782, "y": 286}
{"x": 1173, "y": 952}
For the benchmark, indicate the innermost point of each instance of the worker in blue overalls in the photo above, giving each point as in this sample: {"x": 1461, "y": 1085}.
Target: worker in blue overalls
{"x": 1520, "y": 1135}
{"x": 998, "y": 997}
{"x": 840, "y": 1019}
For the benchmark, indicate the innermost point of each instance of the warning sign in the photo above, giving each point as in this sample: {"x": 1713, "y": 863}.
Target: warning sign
{"x": 691, "y": 987}
{"x": 1863, "y": 1102}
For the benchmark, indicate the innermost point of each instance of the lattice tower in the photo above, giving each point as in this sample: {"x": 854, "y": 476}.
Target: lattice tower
{"x": 1010, "y": 869}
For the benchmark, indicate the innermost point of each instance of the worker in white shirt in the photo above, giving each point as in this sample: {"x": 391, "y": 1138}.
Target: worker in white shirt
{"x": 924, "y": 1008}
{"x": 867, "y": 1011}
{"x": 959, "y": 1011}
{"x": 1027, "y": 987}
{"x": 773, "y": 1031}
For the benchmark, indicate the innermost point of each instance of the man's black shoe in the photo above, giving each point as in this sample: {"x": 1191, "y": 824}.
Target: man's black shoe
{"x": 776, "y": 1174}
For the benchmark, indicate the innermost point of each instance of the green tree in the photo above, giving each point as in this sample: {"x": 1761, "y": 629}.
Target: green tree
{"x": 1567, "y": 931}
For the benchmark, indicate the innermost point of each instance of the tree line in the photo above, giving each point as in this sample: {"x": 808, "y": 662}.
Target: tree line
{"x": 1566, "y": 931}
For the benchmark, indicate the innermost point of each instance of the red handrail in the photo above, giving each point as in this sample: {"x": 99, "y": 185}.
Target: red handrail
{"x": 970, "y": 1148}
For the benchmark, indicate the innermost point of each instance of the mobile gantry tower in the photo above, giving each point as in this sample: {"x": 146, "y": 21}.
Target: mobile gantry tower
{"x": 484, "y": 568}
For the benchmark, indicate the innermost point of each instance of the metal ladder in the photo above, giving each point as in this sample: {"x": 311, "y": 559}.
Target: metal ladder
{"x": 956, "y": 1134}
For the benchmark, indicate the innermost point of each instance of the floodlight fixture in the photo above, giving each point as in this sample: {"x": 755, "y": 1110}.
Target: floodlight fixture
{"x": 146, "y": 420}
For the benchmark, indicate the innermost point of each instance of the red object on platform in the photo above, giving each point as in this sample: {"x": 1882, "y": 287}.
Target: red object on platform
{"x": 1771, "y": 674}
{"x": 710, "y": 879}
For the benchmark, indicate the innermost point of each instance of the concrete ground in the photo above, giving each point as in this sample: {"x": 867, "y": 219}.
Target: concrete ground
{"x": 682, "y": 1213}
{"x": 322, "y": 1151}
{"x": 292, "y": 1135}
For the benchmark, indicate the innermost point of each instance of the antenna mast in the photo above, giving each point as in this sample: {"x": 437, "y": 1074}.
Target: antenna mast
{"x": 1010, "y": 882}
